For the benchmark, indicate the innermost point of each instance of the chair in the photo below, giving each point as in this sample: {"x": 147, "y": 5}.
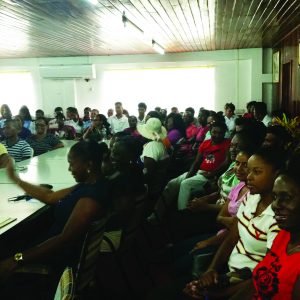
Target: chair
{"x": 89, "y": 256}
{"x": 65, "y": 288}
{"x": 31, "y": 152}
{"x": 129, "y": 237}
{"x": 74, "y": 283}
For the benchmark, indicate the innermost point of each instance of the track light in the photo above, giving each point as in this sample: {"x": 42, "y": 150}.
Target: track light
{"x": 128, "y": 23}
{"x": 158, "y": 48}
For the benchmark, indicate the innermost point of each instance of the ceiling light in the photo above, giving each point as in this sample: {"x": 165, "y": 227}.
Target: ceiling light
{"x": 128, "y": 23}
{"x": 158, "y": 48}
{"x": 93, "y": 1}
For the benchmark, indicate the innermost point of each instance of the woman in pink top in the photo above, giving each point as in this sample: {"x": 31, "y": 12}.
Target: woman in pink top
{"x": 231, "y": 206}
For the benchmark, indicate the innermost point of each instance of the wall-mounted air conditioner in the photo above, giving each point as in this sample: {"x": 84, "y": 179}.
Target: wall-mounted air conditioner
{"x": 68, "y": 71}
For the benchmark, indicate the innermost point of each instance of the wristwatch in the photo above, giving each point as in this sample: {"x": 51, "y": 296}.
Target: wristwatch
{"x": 18, "y": 257}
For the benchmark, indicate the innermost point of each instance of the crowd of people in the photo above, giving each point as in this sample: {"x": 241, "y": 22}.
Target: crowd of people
{"x": 223, "y": 188}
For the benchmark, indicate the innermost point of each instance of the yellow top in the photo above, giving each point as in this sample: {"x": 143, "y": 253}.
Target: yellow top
{"x": 2, "y": 149}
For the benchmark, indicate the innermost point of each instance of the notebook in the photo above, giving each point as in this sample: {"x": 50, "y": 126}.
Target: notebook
{"x": 5, "y": 221}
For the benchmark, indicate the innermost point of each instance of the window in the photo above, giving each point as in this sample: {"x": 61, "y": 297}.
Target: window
{"x": 16, "y": 89}
{"x": 166, "y": 87}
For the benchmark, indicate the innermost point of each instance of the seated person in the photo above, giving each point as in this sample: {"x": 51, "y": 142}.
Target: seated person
{"x": 250, "y": 110}
{"x": 74, "y": 120}
{"x": 24, "y": 133}
{"x": 5, "y": 114}
{"x": 87, "y": 120}
{"x": 251, "y": 235}
{"x": 175, "y": 127}
{"x": 42, "y": 141}
{"x": 155, "y": 156}
{"x": 57, "y": 110}
{"x": 60, "y": 130}
{"x": 17, "y": 148}
{"x": 191, "y": 128}
{"x": 76, "y": 208}
{"x": 125, "y": 174}
{"x": 132, "y": 129}
{"x": 3, "y": 156}
{"x": 276, "y": 137}
{"x": 99, "y": 130}
{"x": 24, "y": 113}
{"x": 203, "y": 129}
{"x": 277, "y": 276}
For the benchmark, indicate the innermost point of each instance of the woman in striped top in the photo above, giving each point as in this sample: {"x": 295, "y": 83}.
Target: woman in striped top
{"x": 251, "y": 235}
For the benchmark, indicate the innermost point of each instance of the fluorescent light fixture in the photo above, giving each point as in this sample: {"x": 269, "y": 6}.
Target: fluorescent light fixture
{"x": 158, "y": 48}
{"x": 128, "y": 23}
{"x": 93, "y": 1}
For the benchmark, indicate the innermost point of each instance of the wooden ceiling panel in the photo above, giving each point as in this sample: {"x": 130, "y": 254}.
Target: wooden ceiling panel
{"x": 37, "y": 28}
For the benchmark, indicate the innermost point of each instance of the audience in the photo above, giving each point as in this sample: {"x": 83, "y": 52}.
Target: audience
{"x": 221, "y": 190}
{"x": 277, "y": 275}
{"x": 253, "y": 232}
{"x": 210, "y": 161}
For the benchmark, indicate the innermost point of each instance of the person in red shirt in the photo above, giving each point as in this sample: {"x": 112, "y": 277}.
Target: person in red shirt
{"x": 191, "y": 129}
{"x": 210, "y": 162}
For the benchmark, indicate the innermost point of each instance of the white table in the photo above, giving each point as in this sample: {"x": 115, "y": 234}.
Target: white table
{"x": 51, "y": 168}
{"x": 20, "y": 210}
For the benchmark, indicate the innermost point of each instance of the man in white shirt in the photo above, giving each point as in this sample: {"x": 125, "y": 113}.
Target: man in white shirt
{"x": 141, "y": 119}
{"x": 119, "y": 122}
{"x": 260, "y": 113}
{"x": 230, "y": 117}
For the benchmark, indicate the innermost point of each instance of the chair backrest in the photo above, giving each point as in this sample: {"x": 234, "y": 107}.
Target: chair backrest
{"x": 31, "y": 152}
{"x": 65, "y": 288}
{"x": 89, "y": 255}
{"x": 138, "y": 214}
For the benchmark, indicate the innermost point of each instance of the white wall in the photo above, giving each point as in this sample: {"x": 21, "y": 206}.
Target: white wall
{"x": 238, "y": 76}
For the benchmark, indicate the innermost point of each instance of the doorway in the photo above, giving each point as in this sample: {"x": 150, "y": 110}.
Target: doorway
{"x": 286, "y": 93}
